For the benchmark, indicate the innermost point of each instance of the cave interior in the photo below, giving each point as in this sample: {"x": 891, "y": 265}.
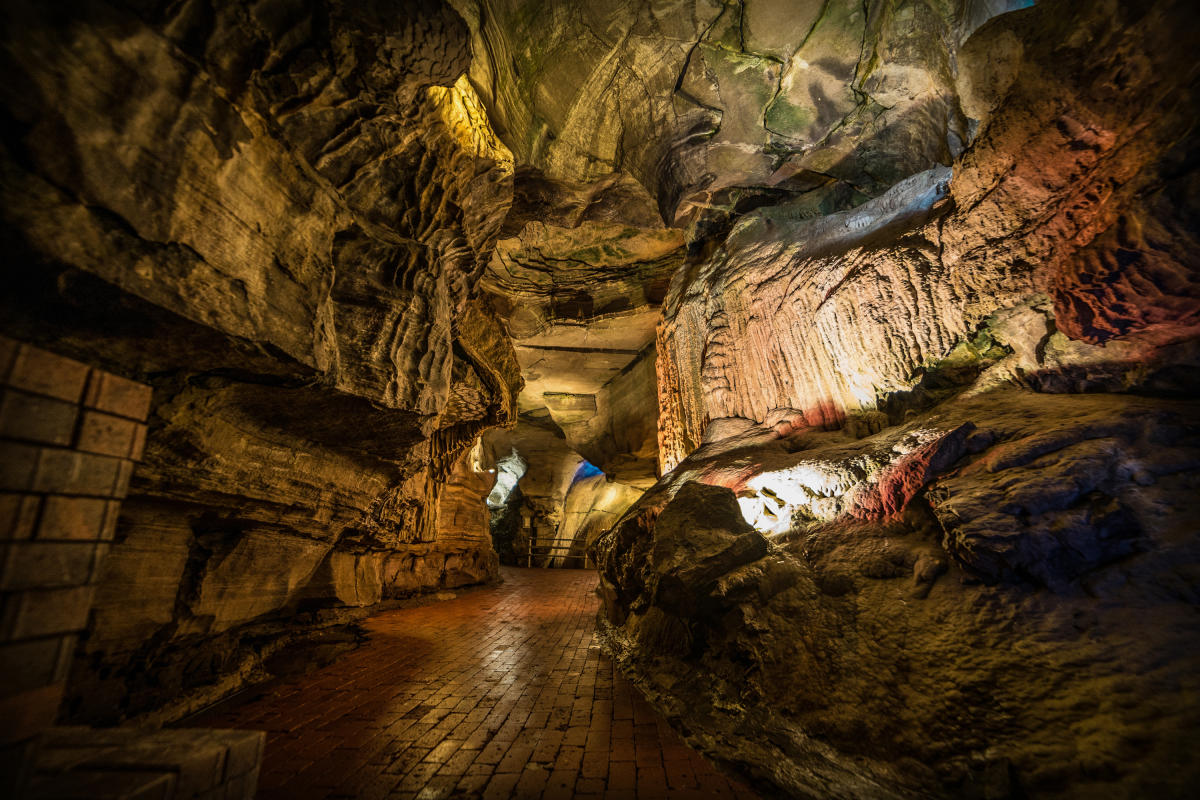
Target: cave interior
{"x": 851, "y": 346}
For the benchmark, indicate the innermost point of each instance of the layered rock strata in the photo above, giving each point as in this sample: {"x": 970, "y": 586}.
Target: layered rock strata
{"x": 923, "y": 528}
{"x": 276, "y": 215}
{"x": 578, "y": 278}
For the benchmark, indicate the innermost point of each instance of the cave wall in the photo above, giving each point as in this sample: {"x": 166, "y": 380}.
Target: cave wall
{"x": 924, "y": 526}
{"x": 715, "y": 103}
{"x": 274, "y": 214}
{"x": 916, "y": 282}
{"x": 1055, "y": 198}
{"x": 578, "y": 278}
{"x": 561, "y": 498}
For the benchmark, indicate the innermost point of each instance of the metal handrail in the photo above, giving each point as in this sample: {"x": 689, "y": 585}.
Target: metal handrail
{"x": 547, "y": 550}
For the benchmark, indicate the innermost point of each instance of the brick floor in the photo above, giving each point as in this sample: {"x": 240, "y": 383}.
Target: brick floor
{"x": 498, "y": 693}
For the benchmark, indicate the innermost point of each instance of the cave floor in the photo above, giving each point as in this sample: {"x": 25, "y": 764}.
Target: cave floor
{"x": 501, "y": 692}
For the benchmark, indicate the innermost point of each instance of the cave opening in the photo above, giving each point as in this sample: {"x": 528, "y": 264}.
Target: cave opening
{"x": 536, "y": 398}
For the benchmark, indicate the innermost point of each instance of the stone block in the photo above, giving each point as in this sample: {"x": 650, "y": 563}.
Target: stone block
{"x": 352, "y": 580}
{"x": 69, "y": 472}
{"x": 108, "y": 434}
{"x": 148, "y": 564}
{"x": 18, "y": 515}
{"x": 203, "y": 761}
{"x": 139, "y": 443}
{"x": 26, "y": 615}
{"x": 81, "y": 518}
{"x": 28, "y": 665}
{"x": 29, "y": 712}
{"x": 263, "y": 573}
{"x": 42, "y": 372}
{"x": 47, "y": 565}
{"x": 105, "y": 785}
{"x": 245, "y": 752}
{"x": 18, "y": 463}
{"x": 116, "y": 395}
{"x": 33, "y": 418}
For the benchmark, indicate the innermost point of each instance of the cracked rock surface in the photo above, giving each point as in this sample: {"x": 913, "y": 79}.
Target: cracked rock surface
{"x": 856, "y": 343}
{"x": 921, "y": 529}
{"x": 276, "y": 215}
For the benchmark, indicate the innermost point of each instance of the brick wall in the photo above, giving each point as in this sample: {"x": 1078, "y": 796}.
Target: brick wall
{"x": 70, "y": 435}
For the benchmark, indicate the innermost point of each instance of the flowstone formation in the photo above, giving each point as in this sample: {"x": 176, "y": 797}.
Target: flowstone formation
{"x": 276, "y": 215}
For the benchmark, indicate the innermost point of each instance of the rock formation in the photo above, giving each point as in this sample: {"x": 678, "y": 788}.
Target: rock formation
{"x": 890, "y": 555}
{"x": 276, "y": 216}
{"x": 855, "y": 343}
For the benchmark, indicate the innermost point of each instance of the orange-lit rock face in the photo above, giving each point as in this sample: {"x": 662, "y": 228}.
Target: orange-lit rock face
{"x": 829, "y": 316}
{"x": 857, "y": 343}
{"x": 278, "y": 218}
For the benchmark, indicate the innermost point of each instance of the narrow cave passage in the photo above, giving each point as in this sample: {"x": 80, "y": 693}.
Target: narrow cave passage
{"x": 501, "y": 691}
{"x": 853, "y": 344}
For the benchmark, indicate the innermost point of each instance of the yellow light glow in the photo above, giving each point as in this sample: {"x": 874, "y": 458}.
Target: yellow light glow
{"x": 464, "y": 116}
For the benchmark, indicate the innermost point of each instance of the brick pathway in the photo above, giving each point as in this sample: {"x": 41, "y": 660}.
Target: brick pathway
{"x": 498, "y": 693}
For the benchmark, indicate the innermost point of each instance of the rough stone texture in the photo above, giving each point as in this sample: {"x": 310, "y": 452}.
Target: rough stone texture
{"x": 277, "y": 215}
{"x": 578, "y": 285}
{"x": 125, "y": 763}
{"x": 1055, "y": 197}
{"x": 918, "y": 283}
{"x": 1024, "y": 627}
{"x": 69, "y": 437}
{"x": 708, "y": 103}
{"x": 918, "y": 534}
{"x": 591, "y": 507}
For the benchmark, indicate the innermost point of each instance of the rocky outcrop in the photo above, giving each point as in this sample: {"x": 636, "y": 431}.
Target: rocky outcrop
{"x": 276, "y": 215}
{"x": 892, "y": 308}
{"x": 920, "y": 530}
{"x": 1080, "y": 170}
{"x": 1011, "y": 631}
{"x": 578, "y": 285}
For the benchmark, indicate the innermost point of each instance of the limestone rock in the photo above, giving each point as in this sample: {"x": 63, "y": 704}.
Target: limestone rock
{"x": 578, "y": 286}
{"x": 708, "y": 103}
{"x": 277, "y": 215}
{"x": 956, "y": 413}
{"x": 888, "y": 289}
{"x": 866, "y": 657}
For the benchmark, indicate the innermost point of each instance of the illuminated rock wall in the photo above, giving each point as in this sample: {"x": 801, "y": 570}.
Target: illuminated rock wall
{"x": 1064, "y": 194}
{"x": 276, "y": 217}
{"x": 924, "y": 520}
